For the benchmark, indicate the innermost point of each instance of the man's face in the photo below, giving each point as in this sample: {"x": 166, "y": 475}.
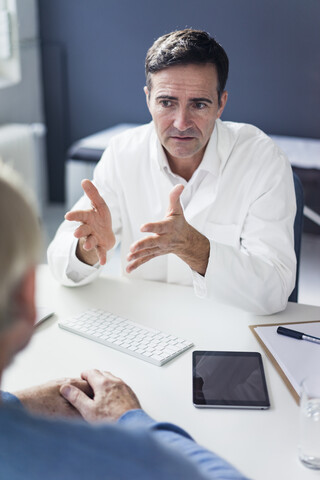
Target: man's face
{"x": 184, "y": 106}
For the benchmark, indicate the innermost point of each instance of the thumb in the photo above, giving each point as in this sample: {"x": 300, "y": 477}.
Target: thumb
{"x": 77, "y": 398}
{"x": 175, "y": 207}
{"x": 93, "y": 194}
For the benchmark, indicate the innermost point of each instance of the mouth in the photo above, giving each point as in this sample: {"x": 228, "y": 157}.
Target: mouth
{"x": 183, "y": 139}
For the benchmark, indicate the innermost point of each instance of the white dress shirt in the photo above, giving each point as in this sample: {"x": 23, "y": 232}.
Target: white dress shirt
{"x": 241, "y": 197}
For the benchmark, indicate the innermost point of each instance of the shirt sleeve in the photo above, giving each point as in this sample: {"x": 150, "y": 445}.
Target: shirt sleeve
{"x": 199, "y": 284}
{"x": 210, "y": 464}
{"x": 78, "y": 271}
{"x": 7, "y": 397}
{"x": 257, "y": 274}
{"x": 62, "y": 259}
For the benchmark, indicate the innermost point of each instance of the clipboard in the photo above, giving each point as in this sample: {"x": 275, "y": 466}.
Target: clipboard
{"x": 280, "y": 357}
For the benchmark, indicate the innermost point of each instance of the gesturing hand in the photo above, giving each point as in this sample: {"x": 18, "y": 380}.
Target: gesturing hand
{"x": 111, "y": 397}
{"x": 171, "y": 235}
{"x": 95, "y": 234}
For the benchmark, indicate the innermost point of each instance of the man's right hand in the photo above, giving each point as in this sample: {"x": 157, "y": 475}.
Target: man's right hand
{"x": 95, "y": 234}
{"x": 111, "y": 397}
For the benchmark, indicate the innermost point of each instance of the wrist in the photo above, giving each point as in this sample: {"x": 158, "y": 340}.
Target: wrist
{"x": 25, "y": 397}
{"x": 197, "y": 252}
{"x": 88, "y": 257}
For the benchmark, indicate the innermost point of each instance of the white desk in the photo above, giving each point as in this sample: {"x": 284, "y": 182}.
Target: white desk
{"x": 262, "y": 444}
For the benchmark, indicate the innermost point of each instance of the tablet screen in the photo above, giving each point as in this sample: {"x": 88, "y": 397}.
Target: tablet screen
{"x": 229, "y": 380}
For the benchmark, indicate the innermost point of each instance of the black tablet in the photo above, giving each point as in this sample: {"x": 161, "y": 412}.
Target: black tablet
{"x": 229, "y": 380}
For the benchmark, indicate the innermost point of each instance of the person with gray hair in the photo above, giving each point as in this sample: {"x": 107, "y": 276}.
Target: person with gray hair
{"x": 19, "y": 252}
{"x": 192, "y": 199}
{"x": 96, "y": 428}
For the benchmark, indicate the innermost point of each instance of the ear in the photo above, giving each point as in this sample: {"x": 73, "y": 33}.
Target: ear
{"x": 14, "y": 339}
{"x": 17, "y": 336}
{"x": 146, "y": 91}
{"x": 24, "y": 297}
{"x": 223, "y": 101}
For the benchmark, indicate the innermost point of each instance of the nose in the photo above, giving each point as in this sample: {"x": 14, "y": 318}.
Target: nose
{"x": 182, "y": 120}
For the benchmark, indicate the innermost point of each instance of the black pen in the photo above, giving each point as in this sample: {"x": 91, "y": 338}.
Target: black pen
{"x": 298, "y": 335}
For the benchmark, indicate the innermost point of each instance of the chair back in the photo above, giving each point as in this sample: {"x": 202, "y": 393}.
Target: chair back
{"x": 298, "y": 227}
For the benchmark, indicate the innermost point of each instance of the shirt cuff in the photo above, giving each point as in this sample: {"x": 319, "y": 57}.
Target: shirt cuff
{"x": 7, "y": 397}
{"x": 77, "y": 270}
{"x": 199, "y": 284}
{"x": 136, "y": 418}
{"x": 200, "y": 281}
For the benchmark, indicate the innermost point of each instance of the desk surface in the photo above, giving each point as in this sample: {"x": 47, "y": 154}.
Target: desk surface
{"x": 262, "y": 444}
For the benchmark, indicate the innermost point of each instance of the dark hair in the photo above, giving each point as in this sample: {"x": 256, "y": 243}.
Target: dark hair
{"x": 185, "y": 47}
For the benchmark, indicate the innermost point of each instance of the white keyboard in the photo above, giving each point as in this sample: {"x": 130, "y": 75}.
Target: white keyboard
{"x": 129, "y": 337}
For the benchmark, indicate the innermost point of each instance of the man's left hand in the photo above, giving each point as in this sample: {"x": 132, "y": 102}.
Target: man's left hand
{"x": 171, "y": 235}
{"x": 46, "y": 399}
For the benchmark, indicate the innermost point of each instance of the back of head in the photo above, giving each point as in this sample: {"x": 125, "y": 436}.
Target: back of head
{"x": 19, "y": 240}
{"x": 185, "y": 47}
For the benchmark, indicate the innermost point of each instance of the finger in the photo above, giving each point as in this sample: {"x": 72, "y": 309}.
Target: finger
{"x": 79, "y": 383}
{"x": 77, "y": 398}
{"x": 77, "y": 216}
{"x": 155, "y": 227}
{"x": 94, "y": 377}
{"x": 175, "y": 207}
{"x": 145, "y": 253}
{"x": 102, "y": 254}
{"x": 110, "y": 376}
{"x": 83, "y": 231}
{"x": 92, "y": 193}
{"x": 147, "y": 242}
{"x": 97, "y": 379}
{"x": 90, "y": 243}
{"x": 137, "y": 263}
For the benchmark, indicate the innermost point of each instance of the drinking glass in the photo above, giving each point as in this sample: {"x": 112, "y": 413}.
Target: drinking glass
{"x": 309, "y": 442}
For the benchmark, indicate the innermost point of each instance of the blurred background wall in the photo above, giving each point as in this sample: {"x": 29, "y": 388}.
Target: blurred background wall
{"x": 92, "y": 56}
{"x": 22, "y": 101}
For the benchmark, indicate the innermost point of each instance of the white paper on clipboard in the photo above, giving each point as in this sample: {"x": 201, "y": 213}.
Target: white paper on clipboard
{"x": 294, "y": 359}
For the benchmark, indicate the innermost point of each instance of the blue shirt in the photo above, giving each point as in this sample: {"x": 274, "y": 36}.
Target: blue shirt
{"x": 136, "y": 447}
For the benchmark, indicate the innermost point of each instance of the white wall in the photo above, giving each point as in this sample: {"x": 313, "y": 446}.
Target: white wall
{"x": 22, "y": 102}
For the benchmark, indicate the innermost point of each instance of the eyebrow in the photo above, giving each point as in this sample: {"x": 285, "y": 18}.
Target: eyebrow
{"x": 201, "y": 99}
{"x": 166, "y": 97}
{"x": 196, "y": 99}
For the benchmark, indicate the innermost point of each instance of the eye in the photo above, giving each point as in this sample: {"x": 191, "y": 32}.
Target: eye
{"x": 166, "y": 103}
{"x": 200, "y": 105}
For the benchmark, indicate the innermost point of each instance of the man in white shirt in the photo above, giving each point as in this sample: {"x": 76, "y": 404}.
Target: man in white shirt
{"x": 217, "y": 195}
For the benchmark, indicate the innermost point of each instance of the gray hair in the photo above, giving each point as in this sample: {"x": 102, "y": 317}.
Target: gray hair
{"x": 20, "y": 239}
